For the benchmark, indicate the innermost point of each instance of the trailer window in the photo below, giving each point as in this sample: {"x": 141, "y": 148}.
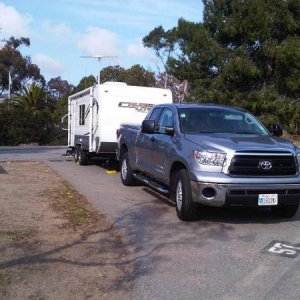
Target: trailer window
{"x": 81, "y": 114}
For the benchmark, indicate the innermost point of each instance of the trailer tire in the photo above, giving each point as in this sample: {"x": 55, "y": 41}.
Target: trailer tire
{"x": 181, "y": 194}
{"x": 287, "y": 211}
{"x": 82, "y": 157}
{"x": 126, "y": 171}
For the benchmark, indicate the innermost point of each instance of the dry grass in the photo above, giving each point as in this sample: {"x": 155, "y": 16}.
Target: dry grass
{"x": 74, "y": 207}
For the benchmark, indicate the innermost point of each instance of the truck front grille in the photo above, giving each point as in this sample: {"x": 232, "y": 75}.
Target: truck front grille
{"x": 263, "y": 164}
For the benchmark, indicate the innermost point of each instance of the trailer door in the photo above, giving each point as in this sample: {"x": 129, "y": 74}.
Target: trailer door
{"x": 72, "y": 122}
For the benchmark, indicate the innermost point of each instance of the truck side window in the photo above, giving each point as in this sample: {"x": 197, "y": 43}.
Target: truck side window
{"x": 165, "y": 120}
{"x": 81, "y": 114}
{"x": 155, "y": 114}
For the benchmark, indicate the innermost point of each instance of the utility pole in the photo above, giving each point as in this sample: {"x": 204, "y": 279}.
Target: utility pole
{"x": 99, "y": 58}
{"x": 9, "y": 75}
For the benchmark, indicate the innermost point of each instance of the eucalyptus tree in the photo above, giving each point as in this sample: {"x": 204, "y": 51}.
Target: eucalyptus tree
{"x": 244, "y": 53}
{"x": 21, "y": 68}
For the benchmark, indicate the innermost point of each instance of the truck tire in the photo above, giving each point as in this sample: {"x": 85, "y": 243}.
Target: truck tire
{"x": 126, "y": 171}
{"x": 82, "y": 157}
{"x": 182, "y": 196}
{"x": 287, "y": 211}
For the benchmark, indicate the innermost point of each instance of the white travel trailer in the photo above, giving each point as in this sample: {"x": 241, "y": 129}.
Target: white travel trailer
{"x": 95, "y": 115}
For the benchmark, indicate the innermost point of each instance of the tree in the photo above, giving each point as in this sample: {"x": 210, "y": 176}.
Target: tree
{"x": 244, "y": 53}
{"x": 179, "y": 89}
{"x": 32, "y": 99}
{"x": 84, "y": 83}
{"x": 113, "y": 73}
{"x": 59, "y": 89}
{"x": 163, "y": 43}
{"x": 21, "y": 68}
{"x": 136, "y": 75}
{"x": 32, "y": 122}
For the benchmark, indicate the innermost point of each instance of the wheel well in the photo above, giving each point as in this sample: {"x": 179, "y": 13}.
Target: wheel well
{"x": 123, "y": 150}
{"x": 176, "y": 167}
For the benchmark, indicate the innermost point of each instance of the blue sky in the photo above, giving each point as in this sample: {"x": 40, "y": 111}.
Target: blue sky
{"x": 62, "y": 31}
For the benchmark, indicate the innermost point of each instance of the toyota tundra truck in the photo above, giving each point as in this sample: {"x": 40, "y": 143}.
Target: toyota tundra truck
{"x": 211, "y": 155}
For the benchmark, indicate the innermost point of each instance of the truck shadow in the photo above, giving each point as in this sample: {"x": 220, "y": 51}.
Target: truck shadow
{"x": 242, "y": 215}
{"x": 157, "y": 240}
{"x": 234, "y": 215}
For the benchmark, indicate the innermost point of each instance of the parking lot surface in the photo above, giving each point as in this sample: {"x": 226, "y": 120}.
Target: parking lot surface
{"x": 225, "y": 254}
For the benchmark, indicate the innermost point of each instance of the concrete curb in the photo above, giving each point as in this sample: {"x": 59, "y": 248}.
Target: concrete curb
{"x": 8, "y": 148}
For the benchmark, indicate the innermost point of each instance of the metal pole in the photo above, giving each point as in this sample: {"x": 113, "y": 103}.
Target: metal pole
{"x": 99, "y": 59}
{"x": 9, "y": 84}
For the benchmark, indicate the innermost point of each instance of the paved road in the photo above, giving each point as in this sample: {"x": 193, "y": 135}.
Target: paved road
{"x": 220, "y": 256}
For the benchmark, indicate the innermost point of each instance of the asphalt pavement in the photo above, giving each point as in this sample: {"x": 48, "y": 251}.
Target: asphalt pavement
{"x": 225, "y": 254}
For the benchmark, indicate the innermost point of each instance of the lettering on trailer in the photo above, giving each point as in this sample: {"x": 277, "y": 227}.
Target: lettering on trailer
{"x": 281, "y": 248}
{"x": 140, "y": 107}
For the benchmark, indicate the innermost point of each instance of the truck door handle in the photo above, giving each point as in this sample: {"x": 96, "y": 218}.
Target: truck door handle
{"x": 152, "y": 139}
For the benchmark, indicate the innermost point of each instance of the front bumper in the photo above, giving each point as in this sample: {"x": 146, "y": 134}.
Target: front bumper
{"x": 221, "y": 194}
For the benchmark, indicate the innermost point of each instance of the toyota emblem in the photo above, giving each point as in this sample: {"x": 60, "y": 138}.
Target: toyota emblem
{"x": 265, "y": 165}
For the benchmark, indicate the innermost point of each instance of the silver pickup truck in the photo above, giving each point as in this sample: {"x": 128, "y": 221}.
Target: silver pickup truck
{"x": 211, "y": 155}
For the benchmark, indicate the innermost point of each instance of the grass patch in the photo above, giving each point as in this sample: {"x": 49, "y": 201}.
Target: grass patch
{"x": 75, "y": 208}
{"x": 17, "y": 235}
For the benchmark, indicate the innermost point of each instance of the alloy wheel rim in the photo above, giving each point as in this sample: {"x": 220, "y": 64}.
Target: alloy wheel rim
{"x": 179, "y": 195}
{"x": 124, "y": 169}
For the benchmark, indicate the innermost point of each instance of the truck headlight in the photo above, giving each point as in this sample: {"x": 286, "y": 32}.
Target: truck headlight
{"x": 210, "y": 158}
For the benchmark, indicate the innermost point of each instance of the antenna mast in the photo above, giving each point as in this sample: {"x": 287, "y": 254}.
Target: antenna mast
{"x": 99, "y": 58}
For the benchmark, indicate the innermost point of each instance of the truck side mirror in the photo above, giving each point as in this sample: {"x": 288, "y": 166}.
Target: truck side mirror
{"x": 277, "y": 130}
{"x": 148, "y": 126}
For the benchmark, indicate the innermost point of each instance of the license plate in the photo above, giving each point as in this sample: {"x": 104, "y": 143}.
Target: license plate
{"x": 267, "y": 199}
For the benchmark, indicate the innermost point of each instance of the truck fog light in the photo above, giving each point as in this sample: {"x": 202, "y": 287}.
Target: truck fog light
{"x": 208, "y": 192}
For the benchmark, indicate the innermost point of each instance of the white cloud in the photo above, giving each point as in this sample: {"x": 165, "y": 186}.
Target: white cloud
{"x": 137, "y": 50}
{"x": 98, "y": 41}
{"x": 13, "y": 23}
{"x": 58, "y": 31}
{"x": 48, "y": 64}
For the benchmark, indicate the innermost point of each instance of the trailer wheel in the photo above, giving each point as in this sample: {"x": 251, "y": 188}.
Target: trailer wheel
{"x": 126, "y": 171}
{"x": 287, "y": 211}
{"x": 82, "y": 157}
{"x": 76, "y": 153}
{"x": 181, "y": 194}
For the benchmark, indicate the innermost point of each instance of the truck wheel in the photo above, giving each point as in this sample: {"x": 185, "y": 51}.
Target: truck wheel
{"x": 82, "y": 157}
{"x": 287, "y": 211}
{"x": 182, "y": 196}
{"x": 126, "y": 171}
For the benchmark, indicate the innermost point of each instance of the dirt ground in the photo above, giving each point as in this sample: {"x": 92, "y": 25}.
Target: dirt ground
{"x": 53, "y": 243}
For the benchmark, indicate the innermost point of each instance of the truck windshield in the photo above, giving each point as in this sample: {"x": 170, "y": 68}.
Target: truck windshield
{"x": 219, "y": 120}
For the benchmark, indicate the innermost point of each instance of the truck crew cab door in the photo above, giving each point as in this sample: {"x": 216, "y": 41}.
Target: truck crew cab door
{"x": 144, "y": 146}
{"x": 162, "y": 142}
